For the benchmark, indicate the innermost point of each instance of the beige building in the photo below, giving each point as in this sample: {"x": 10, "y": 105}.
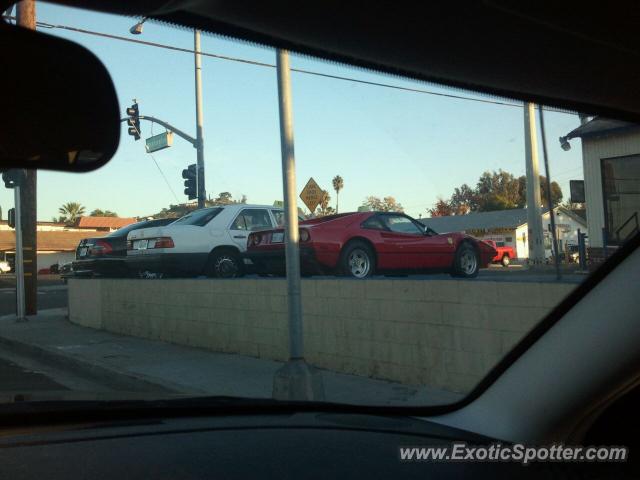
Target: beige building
{"x": 611, "y": 161}
{"x": 509, "y": 228}
{"x": 57, "y": 242}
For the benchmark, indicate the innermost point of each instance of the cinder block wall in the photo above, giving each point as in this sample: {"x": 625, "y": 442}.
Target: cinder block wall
{"x": 445, "y": 334}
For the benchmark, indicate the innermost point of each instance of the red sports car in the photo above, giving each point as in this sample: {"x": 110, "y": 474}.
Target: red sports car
{"x": 361, "y": 244}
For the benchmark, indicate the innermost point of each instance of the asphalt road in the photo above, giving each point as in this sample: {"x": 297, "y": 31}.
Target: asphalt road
{"x": 52, "y": 293}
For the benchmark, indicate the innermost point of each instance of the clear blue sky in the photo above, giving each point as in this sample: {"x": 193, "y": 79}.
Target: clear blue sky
{"x": 412, "y": 146}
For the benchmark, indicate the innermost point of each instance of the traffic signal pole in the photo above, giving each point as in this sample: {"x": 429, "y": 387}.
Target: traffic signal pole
{"x": 26, "y": 18}
{"x": 19, "y": 259}
{"x": 199, "y": 118}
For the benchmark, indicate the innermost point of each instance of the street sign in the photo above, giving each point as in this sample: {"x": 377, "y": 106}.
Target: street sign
{"x": 576, "y": 188}
{"x": 159, "y": 142}
{"x": 311, "y": 195}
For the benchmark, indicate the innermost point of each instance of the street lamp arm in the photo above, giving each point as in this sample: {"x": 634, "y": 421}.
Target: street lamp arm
{"x": 168, "y": 126}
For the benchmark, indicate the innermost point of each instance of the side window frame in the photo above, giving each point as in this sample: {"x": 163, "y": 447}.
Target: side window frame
{"x": 378, "y": 217}
{"x": 244, "y": 212}
{"x": 411, "y": 220}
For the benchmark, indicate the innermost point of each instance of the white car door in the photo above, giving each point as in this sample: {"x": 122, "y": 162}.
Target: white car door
{"x": 246, "y": 221}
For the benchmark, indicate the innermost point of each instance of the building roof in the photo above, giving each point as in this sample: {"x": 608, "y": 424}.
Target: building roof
{"x": 486, "y": 220}
{"x": 478, "y": 221}
{"x": 599, "y": 126}
{"x": 104, "y": 222}
{"x": 59, "y": 241}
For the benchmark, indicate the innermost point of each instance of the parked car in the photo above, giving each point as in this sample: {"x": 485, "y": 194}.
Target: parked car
{"x": 207, "y": 241}
{"x": 361, "y": 244}
{"x": 5, "y": 267}
{"x": 505, "y": 253}
{"x": 105, "y": 256}
{"x": 66, "y": 271}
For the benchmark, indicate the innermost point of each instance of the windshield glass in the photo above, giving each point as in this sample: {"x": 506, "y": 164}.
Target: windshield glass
{"x": 199, "y": 218}
{"x": 391, "y": 313}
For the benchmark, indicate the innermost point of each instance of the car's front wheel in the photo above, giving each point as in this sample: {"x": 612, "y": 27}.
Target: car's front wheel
{"x": 505, "y": 260}
{"x": 358, "y": 260}
{"x": 224, "y": 264}
{"x": 466, "y": 263}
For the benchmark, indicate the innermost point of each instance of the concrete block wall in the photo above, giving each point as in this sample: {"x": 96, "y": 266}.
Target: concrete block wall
{"x": 445, "y": 334}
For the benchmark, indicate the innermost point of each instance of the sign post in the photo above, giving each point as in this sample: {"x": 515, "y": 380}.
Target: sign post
{"x": 295, "y": 380}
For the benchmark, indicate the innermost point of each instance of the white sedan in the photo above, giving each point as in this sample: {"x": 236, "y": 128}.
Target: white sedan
{"x": 208, "y": 241}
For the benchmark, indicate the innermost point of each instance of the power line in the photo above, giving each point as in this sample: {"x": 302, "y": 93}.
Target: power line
{"x": 164, "y": 177}
{"x": 158, "y": 167}
{"x": 269, "y": 65}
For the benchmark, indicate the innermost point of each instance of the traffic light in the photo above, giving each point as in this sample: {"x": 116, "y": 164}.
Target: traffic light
{"x": 190, "y": 182}
{"x": 13, "y": 178}
{"x": 11, "y": 218}
{"x": 134, "y": 121}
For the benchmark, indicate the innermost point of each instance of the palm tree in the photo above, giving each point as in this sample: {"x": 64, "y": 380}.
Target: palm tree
{"x": 338, "y": 183}
{"x": 71, "y": 211}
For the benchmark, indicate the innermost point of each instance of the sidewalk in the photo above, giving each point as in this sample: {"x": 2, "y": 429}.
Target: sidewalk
{"x": 145, "y": 365}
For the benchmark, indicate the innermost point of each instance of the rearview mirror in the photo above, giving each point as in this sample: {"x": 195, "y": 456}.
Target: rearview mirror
{"x": 59, "y": 106}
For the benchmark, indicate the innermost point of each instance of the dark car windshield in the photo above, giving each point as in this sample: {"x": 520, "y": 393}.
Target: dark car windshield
{"x": 199, "y": 218}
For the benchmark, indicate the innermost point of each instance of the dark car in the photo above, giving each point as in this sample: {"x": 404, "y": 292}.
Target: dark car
{"x": 105, "y": 256}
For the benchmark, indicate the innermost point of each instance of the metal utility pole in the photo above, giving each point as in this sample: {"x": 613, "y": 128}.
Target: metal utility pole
{"x": 552, "y": 215}
{"x": 296, "y": 380}
{"x": 26, "y": 17}
{"x": 199, "y": 138}
{"x": 19, "y": 259}
{"x": 534, "y": 216}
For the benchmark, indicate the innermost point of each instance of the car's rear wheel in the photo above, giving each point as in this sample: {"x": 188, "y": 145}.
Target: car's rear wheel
{"x": 505, "y": 260}
{"x": 358, "y": 260}
{"x": 224, "y": 264}
{"x": 466, "y": 263}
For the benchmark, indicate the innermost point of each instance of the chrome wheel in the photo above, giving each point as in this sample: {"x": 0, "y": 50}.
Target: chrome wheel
{"x": 359, "y": 263}
{"x": 505, "y": 261}
{"x": 225, "y": 266}
{"x": 468, "y": 262}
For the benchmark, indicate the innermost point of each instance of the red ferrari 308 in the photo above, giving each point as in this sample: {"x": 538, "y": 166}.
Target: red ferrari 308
{"x": 364, "y": 243}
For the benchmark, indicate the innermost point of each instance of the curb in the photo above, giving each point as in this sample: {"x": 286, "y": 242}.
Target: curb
{"x": 109, "y": 377}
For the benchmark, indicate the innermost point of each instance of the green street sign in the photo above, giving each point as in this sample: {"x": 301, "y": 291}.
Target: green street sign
{"x": 159, "y": 142}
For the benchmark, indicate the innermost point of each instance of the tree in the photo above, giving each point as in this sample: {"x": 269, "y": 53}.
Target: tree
{"x": 442, "y": 208}
{"x": 496, "y": 191}
{"x": 225, "y": 198}
{"x": 338, "y": 183}
{"x": 556, "y": 192}
{"x": 464, "y": 200}
{"x": 387, "y": 204}
{"x": 324, "y": 208}
{"x": 102, "y": 213}
{"x": 71, "y": 211}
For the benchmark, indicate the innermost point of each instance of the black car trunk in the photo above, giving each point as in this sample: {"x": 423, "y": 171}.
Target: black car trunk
{"x": 102, "y": 247}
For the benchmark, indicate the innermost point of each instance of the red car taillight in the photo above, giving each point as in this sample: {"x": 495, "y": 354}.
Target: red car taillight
{"x": 161, "y": 242}
{"x": 305, "y": 236}
{"x": 100, "y": 247}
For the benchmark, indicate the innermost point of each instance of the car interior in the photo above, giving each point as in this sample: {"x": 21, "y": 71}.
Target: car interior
{"x": 573, "y": 379}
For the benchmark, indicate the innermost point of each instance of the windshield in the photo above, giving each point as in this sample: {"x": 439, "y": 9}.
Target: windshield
{"x": 198, "y": 218}
{"x": 390, "y": 312}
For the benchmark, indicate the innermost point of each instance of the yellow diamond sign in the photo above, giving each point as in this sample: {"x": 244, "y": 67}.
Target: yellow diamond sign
{"x": 311, "y": 195}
